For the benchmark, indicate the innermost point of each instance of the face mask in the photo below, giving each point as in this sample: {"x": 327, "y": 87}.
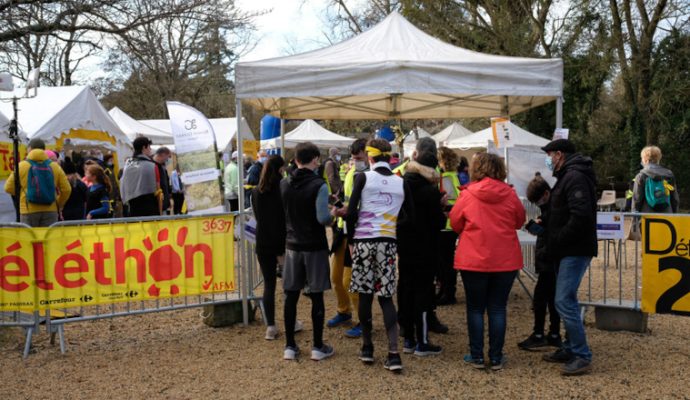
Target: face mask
{"x": 337, "y": 158}
{"x": 549, "y": 163}
{"x": 360, "y": 166}
{"x": 263, "y": 160}
{"x": 167, "y": 162}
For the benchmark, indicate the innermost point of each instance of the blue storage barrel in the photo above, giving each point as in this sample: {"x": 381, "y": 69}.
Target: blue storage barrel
{"x": 270, "y": 127}
{"x": 386, "y": 133}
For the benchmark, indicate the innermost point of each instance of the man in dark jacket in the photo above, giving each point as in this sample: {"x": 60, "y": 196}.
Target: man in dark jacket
{"x": 417, "y": 260}
{"x": 140, "y": 183}
{"x": 161, "y": 157}
{"x": 571, "y": 242}
{"x": 305, "y": 199}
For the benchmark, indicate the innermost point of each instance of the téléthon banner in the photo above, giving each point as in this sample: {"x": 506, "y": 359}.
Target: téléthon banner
{"x": 666, "y": 264}
{"x": 73, "y": 266}
{"x": 195, "y": 147}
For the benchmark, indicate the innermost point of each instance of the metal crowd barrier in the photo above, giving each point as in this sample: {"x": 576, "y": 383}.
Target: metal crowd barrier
{"x": 614, "y": 277}
{"x": 29, "y": 320}
{"x": 247, "y": 277}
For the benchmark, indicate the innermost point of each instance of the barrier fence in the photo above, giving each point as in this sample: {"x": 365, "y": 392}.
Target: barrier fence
{"x": 88, "y": 270}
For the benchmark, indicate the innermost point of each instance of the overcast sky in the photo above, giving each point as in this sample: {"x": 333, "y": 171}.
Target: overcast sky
{"x": 292, "y": 26}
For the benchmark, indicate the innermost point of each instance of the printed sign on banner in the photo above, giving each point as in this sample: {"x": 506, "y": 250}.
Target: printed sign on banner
{"x": 251, "y": 147}
{"x": 7, "y": 158}
{"x": 500, "y": 127}
{"x": 195, "y": 145}
{"x": 610, "y": 226}
{"x": 666, "y": 265}
{"x": 73, "y": 266}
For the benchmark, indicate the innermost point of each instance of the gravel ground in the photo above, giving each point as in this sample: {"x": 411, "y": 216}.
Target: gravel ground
{"x": 175, "y": 356}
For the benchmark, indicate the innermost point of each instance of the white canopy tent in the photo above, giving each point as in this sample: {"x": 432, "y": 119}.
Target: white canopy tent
{"x": 133, "y": 128}
{"x": 309, "y": 131}
{"x": 59, "y": 115}
{"x": 517, "y": 137}
{"x": 224, "y": 128}
{"x": 5, "y": 130}
{"x": 396, "y": 71}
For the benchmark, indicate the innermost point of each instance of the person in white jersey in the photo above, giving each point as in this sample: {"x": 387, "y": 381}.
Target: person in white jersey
{"x": 372, "y": 217}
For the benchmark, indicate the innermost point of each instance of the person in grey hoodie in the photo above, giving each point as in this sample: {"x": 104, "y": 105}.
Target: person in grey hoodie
{"x": 140, "y": 183}
{"x": 650, "y": 157}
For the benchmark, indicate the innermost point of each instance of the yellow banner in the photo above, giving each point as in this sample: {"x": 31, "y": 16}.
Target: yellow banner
{"x": 72, "y": 266}
{"x": 7, "y": 158}
{"x": 666, "y": 265}
{"x": 251, "y": 147}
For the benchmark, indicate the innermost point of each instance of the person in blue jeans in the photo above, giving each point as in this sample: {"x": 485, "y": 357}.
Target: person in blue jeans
{"x": 572, "y": 242}
{"x": 486, "y": 216}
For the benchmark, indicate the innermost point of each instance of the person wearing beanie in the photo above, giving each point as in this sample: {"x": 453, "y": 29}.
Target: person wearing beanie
{"x": 43, "y": 211}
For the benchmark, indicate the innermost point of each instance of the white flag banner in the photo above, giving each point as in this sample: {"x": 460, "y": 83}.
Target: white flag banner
{"x": 501, "y": 131}
{"x": 195, "y": 145}
{"x": 191, "y": 130}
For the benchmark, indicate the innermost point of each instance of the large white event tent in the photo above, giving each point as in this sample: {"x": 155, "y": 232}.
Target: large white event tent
{"x": 309, "y": 131}
{"x": 224, "y": 128}
{"x": 517, "y": 137}
{"x": 133, "y": 128}
{"x": 69, "y": 116}
{"x": 396, "y": 71}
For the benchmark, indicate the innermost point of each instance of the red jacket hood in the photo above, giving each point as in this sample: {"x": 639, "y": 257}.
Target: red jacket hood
{"x": 489, "y": 190}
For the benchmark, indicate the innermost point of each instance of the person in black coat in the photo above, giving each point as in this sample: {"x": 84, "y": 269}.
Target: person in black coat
{"x": 572, "y": 242}
{"x": 270, "y": 232}
{"x": 418, "y": 259}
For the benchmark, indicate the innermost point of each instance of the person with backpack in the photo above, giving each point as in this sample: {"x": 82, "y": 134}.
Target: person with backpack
{"x": 654, "y": 190}
{"x": 44, "y": 188}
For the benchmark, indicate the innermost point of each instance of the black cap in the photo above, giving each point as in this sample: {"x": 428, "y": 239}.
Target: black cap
{"x": 563, "y": 145}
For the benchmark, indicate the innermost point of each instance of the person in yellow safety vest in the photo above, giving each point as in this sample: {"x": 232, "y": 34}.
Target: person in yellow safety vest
{"x": 447, "y": 276}
{"x": 400, "y": 169}
{"x": 341, "y": 260}
{"x": 344, "y": 167}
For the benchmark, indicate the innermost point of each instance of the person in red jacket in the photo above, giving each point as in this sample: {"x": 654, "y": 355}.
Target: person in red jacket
{"x": 486, "y": 215}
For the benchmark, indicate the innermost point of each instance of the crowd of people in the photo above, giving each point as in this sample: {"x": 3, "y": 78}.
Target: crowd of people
{"x": 403, "y": 234}
{"x": 56, "y": 187}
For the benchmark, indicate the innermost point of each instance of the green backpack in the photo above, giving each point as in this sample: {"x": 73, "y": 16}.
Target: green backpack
{"x": 657, "y": 193}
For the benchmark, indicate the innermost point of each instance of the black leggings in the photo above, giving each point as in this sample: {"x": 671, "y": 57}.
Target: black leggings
{"x": 390, "y": 319}
{"x": 290, "y": 315}
{"x": 269, "y": 263}
{"x": 415, "y": 300}
{"x": 544, "y": 293}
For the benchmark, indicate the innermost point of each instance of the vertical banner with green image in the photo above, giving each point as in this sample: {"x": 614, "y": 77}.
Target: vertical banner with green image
{"x": 195, "y": 145}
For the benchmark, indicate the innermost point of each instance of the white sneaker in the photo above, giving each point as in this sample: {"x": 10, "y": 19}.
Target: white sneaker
{"x": 320, "y": 354}
{"x": 290, "y": 353}
{"x": 271, "y": 332}
{"x": 299, "y": 326}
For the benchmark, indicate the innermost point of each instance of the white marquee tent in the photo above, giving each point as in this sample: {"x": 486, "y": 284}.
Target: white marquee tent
{"x": 5, "y": 130}
{"x": 309, "y": 131}
{"x": 224, "y": 128}
{"x": 69, "y": 116}
{"x": 133, "y": 128}
{"x": 396, "y": 71}
{"x": 517, "y": 137}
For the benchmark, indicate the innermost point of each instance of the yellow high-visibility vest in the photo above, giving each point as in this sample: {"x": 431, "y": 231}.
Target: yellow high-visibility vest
{"x": 450, "y": 184}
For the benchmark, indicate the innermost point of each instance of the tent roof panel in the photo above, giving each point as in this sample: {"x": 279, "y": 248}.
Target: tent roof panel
{"x": 389, "y": 62}
{"x": 518, "y": 137}
{"x": 309, "y": 131}
{"x": 133, "y": 128}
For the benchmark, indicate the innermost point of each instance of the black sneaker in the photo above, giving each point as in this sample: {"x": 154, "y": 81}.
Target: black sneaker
{"x": 558, "y": 356}
{"x": 435, "y": 325}
{"x": 576, "y": 366}
{"x": 427, "y": 349}
{"x": 366, "y": 355}
{"x": 533, "y": 342}
{"x": 393, "y": 363}
{"x": 498, "y": 364}
{"x": 554, "y": 340}
{"x": 409, "y": 346}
